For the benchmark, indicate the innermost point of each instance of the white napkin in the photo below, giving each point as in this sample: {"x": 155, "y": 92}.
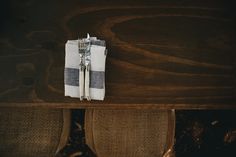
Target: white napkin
{"x": 97, "y": 72}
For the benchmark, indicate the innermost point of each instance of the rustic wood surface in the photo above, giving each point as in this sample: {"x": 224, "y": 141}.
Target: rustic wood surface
{"x": 161, "y": 54}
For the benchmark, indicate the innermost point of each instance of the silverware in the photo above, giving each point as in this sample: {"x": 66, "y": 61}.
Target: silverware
{"x": 85, "y": 63}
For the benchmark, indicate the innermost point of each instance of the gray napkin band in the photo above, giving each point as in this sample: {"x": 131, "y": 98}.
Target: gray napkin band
{"x": 98, "y": 42}
{"x": 97, "y": 78}
{"x": 92, "y": 42}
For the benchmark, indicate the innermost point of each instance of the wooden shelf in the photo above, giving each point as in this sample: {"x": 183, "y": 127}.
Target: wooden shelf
{"x": 160, "y": 55}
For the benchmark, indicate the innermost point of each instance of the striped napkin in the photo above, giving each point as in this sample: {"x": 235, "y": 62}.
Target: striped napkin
{"x": 97, "y": 69}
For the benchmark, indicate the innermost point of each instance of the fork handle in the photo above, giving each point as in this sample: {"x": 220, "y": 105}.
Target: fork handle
{"x": 81, "y": 83}
{"x": 87, "y": 82}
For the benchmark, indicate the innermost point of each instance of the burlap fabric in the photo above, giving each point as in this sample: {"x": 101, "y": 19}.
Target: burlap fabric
{"x": 31, "y": 132}
{"x": 129, "y": 133}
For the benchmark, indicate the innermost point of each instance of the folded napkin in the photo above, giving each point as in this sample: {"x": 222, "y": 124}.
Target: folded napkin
{"x": 96, "y": 74}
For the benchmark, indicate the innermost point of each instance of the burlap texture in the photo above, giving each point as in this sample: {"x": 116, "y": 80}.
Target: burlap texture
{"x": 128, "y": 133}
{"x": 30, "y": 132}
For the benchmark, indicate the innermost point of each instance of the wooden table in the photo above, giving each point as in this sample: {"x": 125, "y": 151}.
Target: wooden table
{"x": 161, "y": 54}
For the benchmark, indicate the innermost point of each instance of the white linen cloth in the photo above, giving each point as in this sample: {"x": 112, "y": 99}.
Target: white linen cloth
{"x": 97, "y": 71}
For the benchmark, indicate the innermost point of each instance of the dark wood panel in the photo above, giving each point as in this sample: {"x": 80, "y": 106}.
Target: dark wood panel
{"x": 161, "y": 54}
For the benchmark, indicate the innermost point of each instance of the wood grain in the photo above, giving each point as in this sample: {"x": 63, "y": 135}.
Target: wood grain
{"x": 161, "y": 55}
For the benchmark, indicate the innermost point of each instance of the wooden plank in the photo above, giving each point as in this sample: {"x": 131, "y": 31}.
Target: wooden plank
{"x": 161, "y": 55}
{"x": 112, "y": 105}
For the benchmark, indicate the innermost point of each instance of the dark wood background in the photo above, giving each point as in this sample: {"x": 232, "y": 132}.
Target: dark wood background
{"x": 162, "y": 54}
